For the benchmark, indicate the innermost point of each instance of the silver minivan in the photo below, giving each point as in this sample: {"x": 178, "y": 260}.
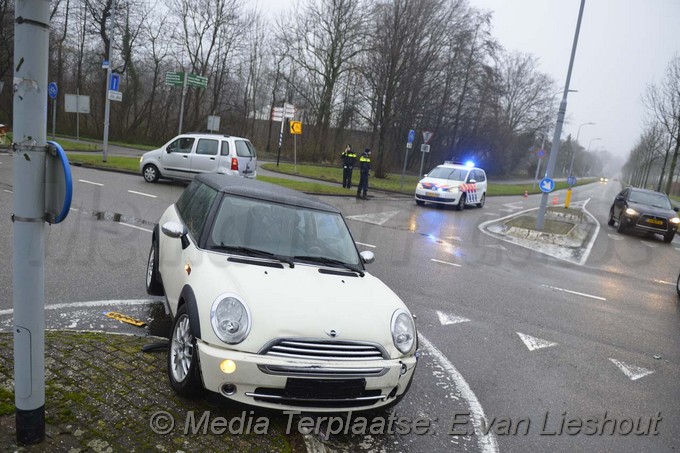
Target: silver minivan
{"x": 187, "y": 155}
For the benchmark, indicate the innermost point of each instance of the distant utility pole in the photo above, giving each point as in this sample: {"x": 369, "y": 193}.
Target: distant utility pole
{"x": 107, "y": 101}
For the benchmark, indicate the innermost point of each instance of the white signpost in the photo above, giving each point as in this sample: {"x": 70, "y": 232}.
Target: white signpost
{"x": 74, "y": 103}
{"x": 278, "y": 114}
{"x": 213, "y": 123}
{"x": 424, "y": 148}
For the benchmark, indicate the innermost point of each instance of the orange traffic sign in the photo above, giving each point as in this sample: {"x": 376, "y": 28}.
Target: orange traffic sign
{"x": 296, "y": 127}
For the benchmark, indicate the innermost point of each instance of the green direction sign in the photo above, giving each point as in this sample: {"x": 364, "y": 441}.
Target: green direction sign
{"x": 175, "y": 79}
{"x": 197, "y": 81}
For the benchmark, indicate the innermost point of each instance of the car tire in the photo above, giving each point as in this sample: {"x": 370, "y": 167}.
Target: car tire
{"x": 461, "y": 202}
{"x": 420, "y": 202}
{"x": 622, "y": 224}
{"x": 481, "y": 201}
{"x": 183, "y": 367}
{"x": 677, "y": 286}
{"x": 154, "y": 286}
{"x": 150, "y": 173}
{"x": 611, "y": 221}
{"x": 668, "y": 237}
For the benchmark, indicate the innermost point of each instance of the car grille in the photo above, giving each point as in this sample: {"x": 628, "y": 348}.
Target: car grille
{"x": 304, "y": 349}
{"x": 653, "y": 222}
{"x": 319, "y": 392}
{"x": 322, "y": 350}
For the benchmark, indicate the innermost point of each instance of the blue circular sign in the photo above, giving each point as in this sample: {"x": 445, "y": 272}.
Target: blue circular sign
{"x": 541, "y": 153}
{"x": 52, "y": 90}
{"x": 571, "y": 180}
{"x": 546, "y": 185}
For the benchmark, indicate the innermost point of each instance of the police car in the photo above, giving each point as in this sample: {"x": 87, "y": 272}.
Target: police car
{"x": 454, "y": 184}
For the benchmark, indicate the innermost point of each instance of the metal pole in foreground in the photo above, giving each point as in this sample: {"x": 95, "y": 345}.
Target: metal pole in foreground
{"x": 32, "y": 29}
{"x": 181, "y": 108}
{"x": 552, "y": 159}
{"x": 107, "y": 101}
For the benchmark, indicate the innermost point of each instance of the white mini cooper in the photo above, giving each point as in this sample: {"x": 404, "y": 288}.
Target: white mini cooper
{"x": 271, "y": 304}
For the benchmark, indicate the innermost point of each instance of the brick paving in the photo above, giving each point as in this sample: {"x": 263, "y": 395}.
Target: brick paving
{"x": 101, "y": 391}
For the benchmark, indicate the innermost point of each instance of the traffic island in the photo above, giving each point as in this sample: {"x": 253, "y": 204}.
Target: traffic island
{"x": 567, "y": 232}
{"x": 103, "y": 394}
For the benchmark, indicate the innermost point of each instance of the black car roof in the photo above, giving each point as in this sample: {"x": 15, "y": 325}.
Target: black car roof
{"x": 251, "y": 188}
{"x": 637, "y": 189}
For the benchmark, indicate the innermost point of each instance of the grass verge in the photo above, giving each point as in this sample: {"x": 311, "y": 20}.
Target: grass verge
{"x": 114, "y": 162}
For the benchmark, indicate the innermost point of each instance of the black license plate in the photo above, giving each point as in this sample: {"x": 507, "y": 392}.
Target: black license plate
{"x": 325, "y": 388}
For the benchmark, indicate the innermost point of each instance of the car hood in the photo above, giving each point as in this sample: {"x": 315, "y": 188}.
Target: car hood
{"x": 156, "y": 153}
{"x": 298, "y": 303}
{"x": 651, "y": 210}
{"x": 438, "y": 184}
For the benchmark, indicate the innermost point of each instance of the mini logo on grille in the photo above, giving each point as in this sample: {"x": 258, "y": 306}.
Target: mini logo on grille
{"x": 332, "y": 333}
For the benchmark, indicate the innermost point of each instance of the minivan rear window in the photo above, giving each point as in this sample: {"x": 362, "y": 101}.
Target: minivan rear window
{"x": 244, "y": 149}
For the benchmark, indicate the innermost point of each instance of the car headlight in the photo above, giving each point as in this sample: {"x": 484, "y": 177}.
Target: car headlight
{"x": 675, "y": 220}
{"x": 631, "y": 211}
{"x": 420, "y": 186}
{"x": 403, "y": 331}
{"x": 230, "y": 318}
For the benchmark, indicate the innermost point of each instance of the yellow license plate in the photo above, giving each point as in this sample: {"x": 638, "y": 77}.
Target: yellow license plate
{"x": 655, "y": 222}
{"x": 432, "y": 194}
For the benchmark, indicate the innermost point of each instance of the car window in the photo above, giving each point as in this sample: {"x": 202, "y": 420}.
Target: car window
{"x": 195, "y": 212}
{"x": 480, "y": 176}
{"x": 281, "y": 229}
{"x": 454, "y": 174}
{"x": 207, "y": 146}
{"x": 243, "y": 150}
{"x": 185, "y": 198}
{"x": 181, "y": 145}
{"x": 226, "y": 148}
{"x": 650, "y": 199}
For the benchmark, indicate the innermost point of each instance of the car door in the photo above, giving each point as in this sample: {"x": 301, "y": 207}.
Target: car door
{"x": 620, "y": 202}
{"x": 176, "y": 158}
{"x": 204, "y": 158}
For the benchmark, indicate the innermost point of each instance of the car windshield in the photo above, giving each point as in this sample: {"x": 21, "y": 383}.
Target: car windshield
{"x": 286, "y": 231}
{"x": 452, "y": 174}
{"x": 650, "y": 199}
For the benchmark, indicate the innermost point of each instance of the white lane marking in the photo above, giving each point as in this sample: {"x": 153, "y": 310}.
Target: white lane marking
{"x": 487, "y": 443}
{"x": 633, "y": 372}
{"x": 589, "y": 248}
{"x": 377, "y": 218}
{"x": 664, "y": 282}
{"x": 143, "y": 194}
{"x": 74, "y": 209}
{"x": 650, "y": 244}
{"x": 446, "y": 319}
{"x": 365, "y": 245}
{"x": 573, "y": 292}
{"x": 533, "y": 343}
{"x": 7, "y": 191}
{"x": 489, "y": 213}
{"x": 615, "y": 237}
{"x": 90, "y": 182}
{"x": 677, "y": 248}
{"x": 94, "y": 303}
{"x": 455, "y": 238}
{"x": 496, "y": 246}
{"x": 513, "y": 206}
{"x": 445, "y": 262}
{"x": 135, "y": 227}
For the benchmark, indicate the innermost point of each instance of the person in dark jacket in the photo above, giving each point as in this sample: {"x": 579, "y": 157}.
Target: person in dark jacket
{"x": 364, "y": 168}
{"x": 348, "y": 157}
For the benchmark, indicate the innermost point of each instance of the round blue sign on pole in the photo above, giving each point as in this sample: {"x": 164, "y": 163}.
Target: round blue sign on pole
{"x": 546, "y": 185}
{"x": 411, "y": 136}
{"x": 571, "y": 180}
{"x": 52, "y": 90}
{"x": 540, "y": 153}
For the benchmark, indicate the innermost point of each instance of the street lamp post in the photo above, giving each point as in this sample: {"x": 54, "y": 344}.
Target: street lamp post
{"x": 552, "y": 160}
{"x": 589, "y": 143}
{"x": 573, "y": 152}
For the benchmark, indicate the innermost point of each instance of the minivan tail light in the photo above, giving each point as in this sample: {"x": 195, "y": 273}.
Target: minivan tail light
{"x": 234, "y": 164}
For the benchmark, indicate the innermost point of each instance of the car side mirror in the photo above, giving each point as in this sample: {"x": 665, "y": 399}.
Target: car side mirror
{"x": 425, "y": 175}
{"x": 676, "y": 209}
{"x": 168, "y": 150}
{"x": 473, "y": 181}
{"x": 619, "y": 198}
{"x": 367, "y": 256}
{"x": 174, "y": 230}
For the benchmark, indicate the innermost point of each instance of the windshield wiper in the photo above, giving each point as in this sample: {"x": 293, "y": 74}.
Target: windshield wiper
{"x": 330, "y": 262}
{"x": 254, "y": 253}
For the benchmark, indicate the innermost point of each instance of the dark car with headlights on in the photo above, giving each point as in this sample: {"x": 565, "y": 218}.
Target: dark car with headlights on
{"x": 644, "y": 210}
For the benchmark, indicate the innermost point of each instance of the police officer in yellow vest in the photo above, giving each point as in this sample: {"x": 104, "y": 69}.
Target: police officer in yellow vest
{"x": 348, "y": 157}
{"x": 364, "y": 168}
